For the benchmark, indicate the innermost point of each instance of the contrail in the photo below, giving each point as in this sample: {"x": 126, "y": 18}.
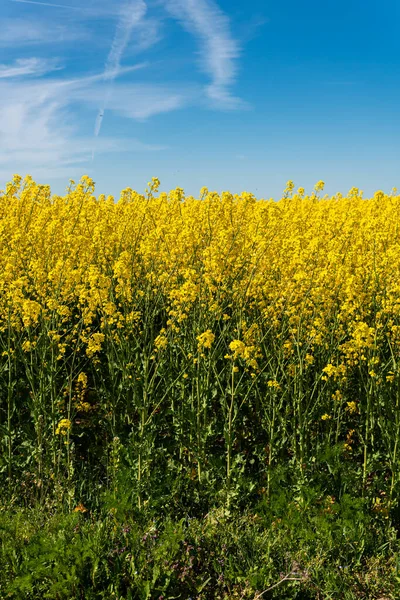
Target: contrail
{"x": 47, "y": 4}
{"x": 219, "y": 50}
{"x": 130, "y": 15}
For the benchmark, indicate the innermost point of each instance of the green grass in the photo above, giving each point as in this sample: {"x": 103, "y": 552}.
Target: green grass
{"x": 305, "y": 546}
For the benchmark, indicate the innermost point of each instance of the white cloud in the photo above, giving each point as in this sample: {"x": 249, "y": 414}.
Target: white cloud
{"x": 41, "y": 119}
{"x": 51, "y": 4}
{"x": 19, "y": 32}
{"x": 131, "y": 15}
{"x": 138, "y": 101}
{"x": 38, "y": 132}
{"x": 90, "y": 8}
{"x": 219, "y": 50}
{"x": 28, "y": 66}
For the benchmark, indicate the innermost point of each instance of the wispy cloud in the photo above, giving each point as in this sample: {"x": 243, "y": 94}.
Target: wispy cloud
{"x": 219, "y": 50}
{"x": 38, "y": 131}
{"x": 51, "y": 4}
{"x": 131, "y": 14}
{"x": 28, "y": 66}
{"x": 138, "y": 101}
{"x": 32, "y": 130}
{"x": 89, "y": 8}
{"x": 43, "y": 121}
{"x": 19, "y": 32}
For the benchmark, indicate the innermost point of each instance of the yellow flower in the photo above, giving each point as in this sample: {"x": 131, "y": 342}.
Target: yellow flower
{"x": 326, "y": 417}
{"x": 63, "y": 427}
{"x": 289, "y": 187}
{"x": 94, "y": 344}
{"x": 330, "y": 370}
{"x": 206, "y": 339}
{"x": 82, "y": 379}
{"x": 27, "y": 346}
{"x": 238, "y": 348}
{"x": 161, "y": 342}
{"x": 84, "y": 407}
{"x": 30, "y": 312}
{"x": 352, "y": 407}
{"x": 274, "y": 384}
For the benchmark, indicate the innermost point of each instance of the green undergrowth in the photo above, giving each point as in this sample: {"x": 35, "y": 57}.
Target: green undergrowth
{"x": 307, "y": 546}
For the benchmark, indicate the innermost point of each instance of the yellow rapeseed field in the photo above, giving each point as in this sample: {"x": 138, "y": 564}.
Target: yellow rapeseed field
{"x": 315, "y": 261}
{"x": 200, "y": 319}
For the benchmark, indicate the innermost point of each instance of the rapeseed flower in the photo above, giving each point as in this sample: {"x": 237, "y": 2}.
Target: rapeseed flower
{"x": 63, "y": 427}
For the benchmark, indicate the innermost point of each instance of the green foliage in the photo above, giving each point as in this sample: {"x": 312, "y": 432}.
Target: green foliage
{"x": 295, "y": 549}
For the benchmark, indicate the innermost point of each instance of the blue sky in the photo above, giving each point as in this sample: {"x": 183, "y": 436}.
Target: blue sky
{"x": 228, "y": 94}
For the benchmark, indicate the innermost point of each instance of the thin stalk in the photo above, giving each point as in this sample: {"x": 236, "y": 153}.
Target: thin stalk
{"x": 9, "y": 407}
{"x": 229, "y": 436}
{"x": 396, "y": 441}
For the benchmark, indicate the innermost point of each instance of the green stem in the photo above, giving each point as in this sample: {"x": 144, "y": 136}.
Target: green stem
{"x": 229, "y": 440}
{"x": 9, "y": 408}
